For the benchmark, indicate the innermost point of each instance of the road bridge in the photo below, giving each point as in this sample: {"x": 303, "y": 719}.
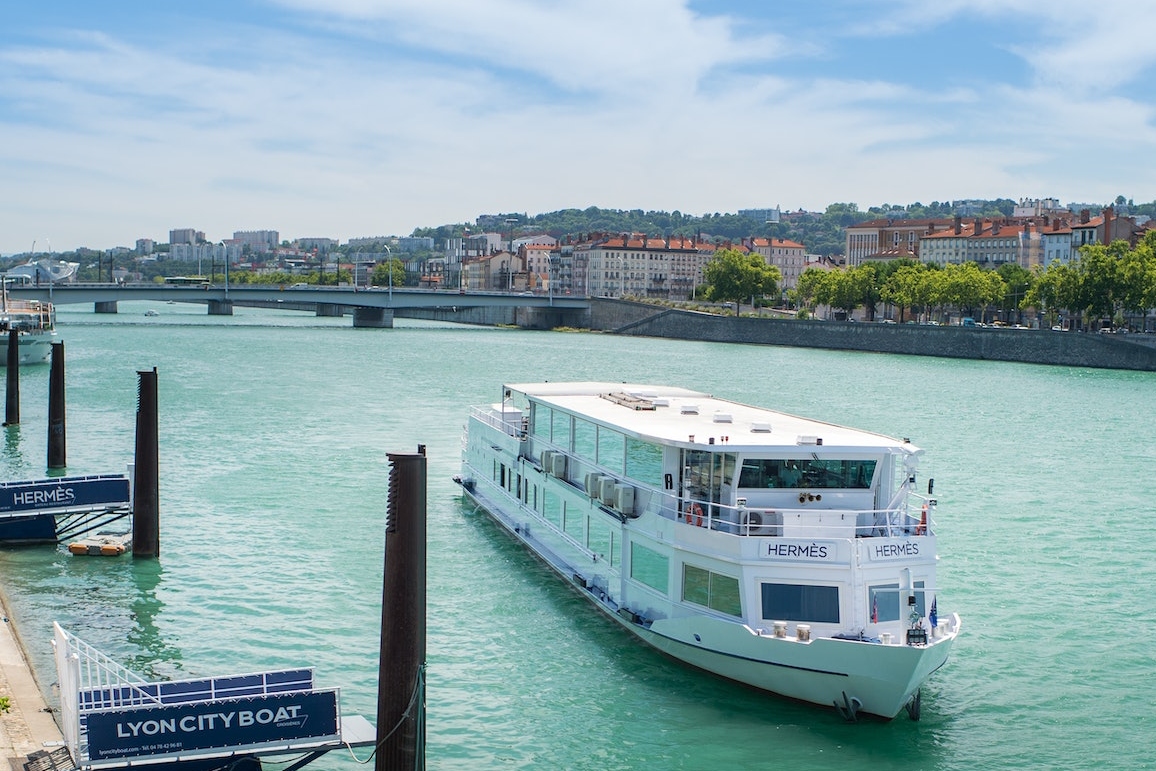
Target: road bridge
{"x": 370, "y": 307}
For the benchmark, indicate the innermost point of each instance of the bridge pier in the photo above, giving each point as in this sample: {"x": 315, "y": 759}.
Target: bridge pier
{"x": 104, "y": 306}
{"x": 220, "y": 307}
{"x": 330, "y": 310}
{"x": 373, "y": 318}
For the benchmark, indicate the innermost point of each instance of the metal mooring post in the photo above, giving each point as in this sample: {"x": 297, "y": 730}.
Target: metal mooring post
{"x": 12, "y": 400}
{"x": 146, "y": 531}
{"x": 401, "y": 668}
{"x": 56, "y": 430}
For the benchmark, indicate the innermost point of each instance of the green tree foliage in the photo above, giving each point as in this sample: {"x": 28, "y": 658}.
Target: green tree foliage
{"x": 907, "y": 286}
{"x": 390, "y": 272}
{"x": 1102, "y": 284}
{"x": 1017, "y": 280}
{"x": 735, "y": 276}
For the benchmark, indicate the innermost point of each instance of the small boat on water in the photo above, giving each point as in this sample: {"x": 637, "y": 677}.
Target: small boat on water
{"x": 788, "y": 554}
{"x": 36, "y": 323}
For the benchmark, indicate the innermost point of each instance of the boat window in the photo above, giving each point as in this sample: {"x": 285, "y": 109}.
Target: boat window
{"x": 822, "y": 473}
{"x": 552, "y": 511}
{"x": 884, "y": 601}
{"x": 561, "y": 432}
{"x": 574, "y": 522}
{"x": 649, "y": 567}
{"x": 712, "y": 590}
{"x": 704, "y": 474}
{"x": 611, "y": 449}
{"x": 644, "y": 462}
{"x": 598, "y": 538}
{"x": 800, "y": 602}
{"x": 540, "y": 420}
{"x": 585, "y": 440}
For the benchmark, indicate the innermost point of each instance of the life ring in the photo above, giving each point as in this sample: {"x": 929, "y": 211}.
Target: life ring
{"x": 693, "y": 514}
{"x": 921, "y": 528}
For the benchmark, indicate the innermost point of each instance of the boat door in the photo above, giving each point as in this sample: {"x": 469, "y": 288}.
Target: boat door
{"x": 708, "y": 480}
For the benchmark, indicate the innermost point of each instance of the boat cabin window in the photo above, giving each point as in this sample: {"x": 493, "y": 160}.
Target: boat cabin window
{"x": 560, "y": 434}
{"x": 705, "y": 473}
{"x": 611, "y": 449}
{"x": 885, "y": 602}
{"x": 574, "y": 522}
{"x": 585, "y": 440}
{"x": 800, "y": 602}
{"x": 603, "y": 541}
{"x": 552, "y": 510}
{"x": 822, "y": 473}
{"x": 541, "y": 418}
{"x": 712, "y": 590}
{"x": 649, "y": 567}
{"x": 644, "y": 462}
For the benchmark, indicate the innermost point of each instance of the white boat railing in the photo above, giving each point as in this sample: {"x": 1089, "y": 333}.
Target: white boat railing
{"x": 911, "y": 518}
{"x": 909, "y": 513}
{"x": 512, "y": 423}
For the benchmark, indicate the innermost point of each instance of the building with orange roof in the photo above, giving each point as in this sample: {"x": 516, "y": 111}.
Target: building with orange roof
{"x": 633, "y": 264}
{"x": 988, "y": 243}
{"x": 788, "y": 256}
{"x": 1028, "y": 242}
{"x": 889, "y": 238}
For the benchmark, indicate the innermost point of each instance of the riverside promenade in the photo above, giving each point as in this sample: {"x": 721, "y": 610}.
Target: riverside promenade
{"x": 28, "y": 726}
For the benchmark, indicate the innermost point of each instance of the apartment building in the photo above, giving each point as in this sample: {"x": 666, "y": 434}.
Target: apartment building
{"x": 889, "y": 238}
{"x": 636, "y": 265}
{"x": 788, "y": 256}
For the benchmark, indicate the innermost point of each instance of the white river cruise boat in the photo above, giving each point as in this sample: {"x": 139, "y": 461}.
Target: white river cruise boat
{"x": 788, "y": 554}
{"x": 36, "y": 323}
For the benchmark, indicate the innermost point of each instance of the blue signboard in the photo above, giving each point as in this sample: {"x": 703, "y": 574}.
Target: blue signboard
{"x": 64, "y": 493}
{"x": 277, "y": 719}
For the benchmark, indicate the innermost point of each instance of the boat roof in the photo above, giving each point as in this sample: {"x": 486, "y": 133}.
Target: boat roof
{"x": 683, "y": 417}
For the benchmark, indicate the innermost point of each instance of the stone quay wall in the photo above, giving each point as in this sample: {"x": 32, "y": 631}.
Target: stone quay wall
{"x": 1075, "y": 349}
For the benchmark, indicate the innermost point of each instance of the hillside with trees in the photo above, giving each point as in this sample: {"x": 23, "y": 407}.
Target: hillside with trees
{"x": 820, "y": 232}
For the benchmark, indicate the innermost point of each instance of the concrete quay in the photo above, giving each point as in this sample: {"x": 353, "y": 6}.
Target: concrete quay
{"x": 28, "y": 726}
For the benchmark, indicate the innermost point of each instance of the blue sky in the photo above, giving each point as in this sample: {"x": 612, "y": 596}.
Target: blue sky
{"x": 344, "y": 118}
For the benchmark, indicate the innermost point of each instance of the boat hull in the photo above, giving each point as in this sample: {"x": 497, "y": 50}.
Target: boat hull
{"x": 34, "y": 348}
{"x": 856, "y": 677}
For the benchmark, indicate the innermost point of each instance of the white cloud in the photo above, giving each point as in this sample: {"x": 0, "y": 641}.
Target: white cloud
{"x": 428, "y": 115}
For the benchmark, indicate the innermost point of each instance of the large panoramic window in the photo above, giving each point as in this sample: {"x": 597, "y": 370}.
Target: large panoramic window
{"x": 810, "y": 473}
{"x": 600, "y": 539}
{"x": 644, "y": 462}
{"x": 561, "y": 434}
{"x": 540, "y": 419}
{"x": 552, "y": 510}
{"x": 585, "y": 440}
{"x": 884, "y": 602}
{"x": 800, "y": 602}
{"x": 649, "y": 567}
{"x": 712, "y": 590}
{"x": 574, "y": 518}
{"x": 611, "y": 449}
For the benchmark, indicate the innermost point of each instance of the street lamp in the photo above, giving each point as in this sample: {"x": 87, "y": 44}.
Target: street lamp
{"x": 389, "y": 256}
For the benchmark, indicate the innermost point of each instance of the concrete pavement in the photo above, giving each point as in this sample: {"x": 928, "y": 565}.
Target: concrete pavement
{"x": 28, "y": 725}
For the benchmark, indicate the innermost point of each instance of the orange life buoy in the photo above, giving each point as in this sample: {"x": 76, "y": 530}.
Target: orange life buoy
{"x": 921, "y": 528}
{"x": 694, "y": 514}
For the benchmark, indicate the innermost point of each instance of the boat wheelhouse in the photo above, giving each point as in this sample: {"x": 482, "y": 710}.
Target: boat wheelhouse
{"x": 788, "y": 554}
{"x": 35, "y": 321}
